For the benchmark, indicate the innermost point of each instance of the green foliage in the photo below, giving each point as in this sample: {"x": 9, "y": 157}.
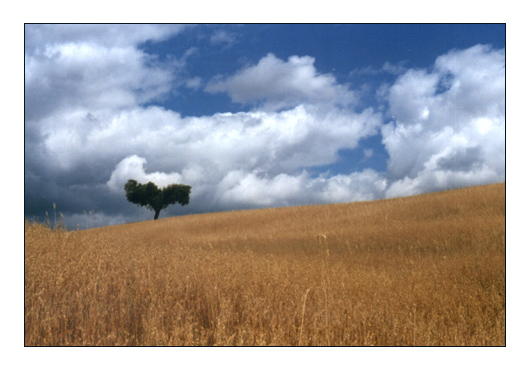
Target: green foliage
{"x": 150, "y": 196}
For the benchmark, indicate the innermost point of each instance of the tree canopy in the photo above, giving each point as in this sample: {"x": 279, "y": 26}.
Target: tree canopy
{"x": 150, "y": 196}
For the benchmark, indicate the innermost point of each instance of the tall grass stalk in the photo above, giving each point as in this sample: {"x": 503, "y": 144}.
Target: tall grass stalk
{"x": 426, "y": 270}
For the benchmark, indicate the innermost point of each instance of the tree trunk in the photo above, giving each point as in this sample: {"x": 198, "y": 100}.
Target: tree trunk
{"x": 157, "y": 212}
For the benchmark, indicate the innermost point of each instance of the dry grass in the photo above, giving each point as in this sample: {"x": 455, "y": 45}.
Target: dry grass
{"x": 426, "y": 270}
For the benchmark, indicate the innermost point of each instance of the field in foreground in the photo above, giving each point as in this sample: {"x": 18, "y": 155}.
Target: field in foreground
{"x": 424, "y": 270}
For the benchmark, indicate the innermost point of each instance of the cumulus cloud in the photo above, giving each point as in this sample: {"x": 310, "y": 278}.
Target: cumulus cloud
{"x": 265, "y": 141}
{"x": 77, "y": 80}
{"x": 279, "y": 84}
{"x": 250, "y": 189}
{"x": 132, "y": 167}
{"x": 103, "y": 127}
{"x": 64, "y": 77}
{"x": 449, "y": 123}
{"x": 233, "y": 156}
{"x": 38, "y": 36}
{"x": 92, "y": 122}
{"x": 94, "y": 67}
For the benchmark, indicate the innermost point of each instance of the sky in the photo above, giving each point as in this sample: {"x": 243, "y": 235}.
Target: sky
{"x": 257, "y": 115}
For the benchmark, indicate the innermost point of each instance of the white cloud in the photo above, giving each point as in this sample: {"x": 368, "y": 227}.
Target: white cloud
{"x": 66, "y": 77}
{"x": 94, "y": 67}
{"x": 88, "y": 128}
{"x": 449, "y": 124}
{"x": 251, "y": 189}
{"x": 223, "y": 37}
{"x": 132, "y": 167}
{"x": 106, "y": 35}
{"x": 240, "y": 188}
{"x": 282, "y": 84}
{"x": 264, "y": 149}
{"x": 394, "y": 69}
{"x": 271, "y": 142}
{"x": 94, "y": 135}
{"x": 193, "y": 83}
{"x": 230, "y": 156}
{"x": 438, "y": 180}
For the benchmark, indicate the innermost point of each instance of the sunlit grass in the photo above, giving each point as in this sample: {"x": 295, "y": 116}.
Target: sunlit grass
{"x": 425, "y": 270}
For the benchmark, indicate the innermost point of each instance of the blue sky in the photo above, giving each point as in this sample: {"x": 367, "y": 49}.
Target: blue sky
{"x": 259, "y": 115}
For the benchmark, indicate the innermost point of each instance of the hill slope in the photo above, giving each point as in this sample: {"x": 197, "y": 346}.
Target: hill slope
{"x": 370, "y": 221}
{"x": 423, "y": 270}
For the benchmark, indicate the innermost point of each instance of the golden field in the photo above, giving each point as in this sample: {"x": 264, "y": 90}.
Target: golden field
{"x": 427, "y": 270}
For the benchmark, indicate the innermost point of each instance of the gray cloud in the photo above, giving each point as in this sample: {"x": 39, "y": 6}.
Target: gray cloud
{"x": 92, "y": 123}
{"x": 84, "y": 148}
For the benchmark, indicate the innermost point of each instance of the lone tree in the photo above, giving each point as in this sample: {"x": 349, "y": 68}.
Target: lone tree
{"x": 155, "y": 199}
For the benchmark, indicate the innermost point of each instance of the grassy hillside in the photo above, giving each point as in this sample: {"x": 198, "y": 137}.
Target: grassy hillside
{"x": 423, "y": 270}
